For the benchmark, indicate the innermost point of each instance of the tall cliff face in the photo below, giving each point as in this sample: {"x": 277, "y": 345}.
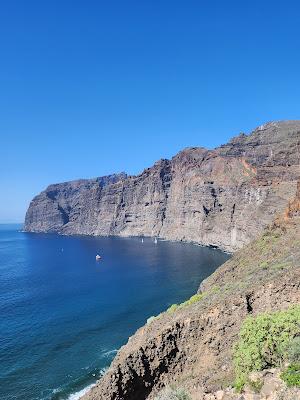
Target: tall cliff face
{"x": 191, "y": 346}
{"x": 222, "y": 197}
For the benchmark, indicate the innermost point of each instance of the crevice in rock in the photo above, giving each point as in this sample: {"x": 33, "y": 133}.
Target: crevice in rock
{"x": 232, "y": 212}
{"x": 206, "y": 210}
{"x": 52, "y": 194}
{"x": 249, "y": 302}
{"x": 65, "y": 216}
{"x": 166, "y": 180}
{"x": 119, "y": 382}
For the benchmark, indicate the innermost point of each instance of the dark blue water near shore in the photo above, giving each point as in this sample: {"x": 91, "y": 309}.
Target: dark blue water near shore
{"x": 63, "y": 315}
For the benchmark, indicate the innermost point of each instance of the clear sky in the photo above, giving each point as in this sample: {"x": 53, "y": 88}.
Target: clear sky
{"x": 89, "y": 88}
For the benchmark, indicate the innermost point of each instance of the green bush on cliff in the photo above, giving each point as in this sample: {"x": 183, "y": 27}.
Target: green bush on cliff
{"x": 171, "y": 393}
{"x": 264, "y": 342}
{"x": 293, "y": 350}
{"x": 194, "y": 299}
{"x": 256, "y": 385}
{"x": 291, "y": 375}
{"x": 172, "y": 308}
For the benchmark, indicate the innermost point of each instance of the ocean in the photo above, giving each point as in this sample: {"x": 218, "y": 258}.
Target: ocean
{"x": 63, "y": 315}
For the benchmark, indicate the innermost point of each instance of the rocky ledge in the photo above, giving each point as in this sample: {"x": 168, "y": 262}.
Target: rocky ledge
{"x": 223, "y": 197}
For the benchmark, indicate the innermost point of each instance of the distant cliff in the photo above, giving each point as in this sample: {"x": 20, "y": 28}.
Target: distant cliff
{"x": 222, "y": 197}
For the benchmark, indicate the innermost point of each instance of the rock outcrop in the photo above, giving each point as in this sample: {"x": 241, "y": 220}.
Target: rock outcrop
{"x": 222, "y": 197}
{"x": 269, "y": 386}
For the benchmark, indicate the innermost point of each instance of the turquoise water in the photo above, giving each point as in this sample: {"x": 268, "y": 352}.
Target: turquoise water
{"x": 63, "y": 315}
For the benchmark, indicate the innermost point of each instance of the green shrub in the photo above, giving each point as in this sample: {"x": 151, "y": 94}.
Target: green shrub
{"x": 293, "y": 350}
{"x": 263, "y": 342}
{"x": 173, "y": 394}
{"x": 280, "y": 266}
{"x": 264, "y": 265}
{"x": 181, "y": 394}
{"x": 194, "y": 299}
{"x": 291, "y": 375}
{"x": 255, "y": 385}
{"x": 172, "y": 308}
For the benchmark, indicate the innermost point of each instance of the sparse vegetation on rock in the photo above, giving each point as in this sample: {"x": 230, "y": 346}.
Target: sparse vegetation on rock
{"x": 293, "y": 350}
{"x": 264, "y": 342}
{"x": 173, "y": 394}
{"x": 291, "y": 375}
{"x": 193, "y": 299}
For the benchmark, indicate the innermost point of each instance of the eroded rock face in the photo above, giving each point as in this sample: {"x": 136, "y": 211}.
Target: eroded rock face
{"x": 222, "y": 197}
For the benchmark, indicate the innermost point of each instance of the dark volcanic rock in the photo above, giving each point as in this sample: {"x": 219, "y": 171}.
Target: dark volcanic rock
{"x": 221, "y": 197}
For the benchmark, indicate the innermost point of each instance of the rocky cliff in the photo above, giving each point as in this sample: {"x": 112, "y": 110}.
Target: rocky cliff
{"x": 191, "y": 345}
{"x": 222, "y": 197}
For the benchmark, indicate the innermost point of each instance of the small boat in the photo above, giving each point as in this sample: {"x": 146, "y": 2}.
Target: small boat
{"x": 142, "y": 240}
{"x": 98, "y": 257}
{"x": 155, "y": 240}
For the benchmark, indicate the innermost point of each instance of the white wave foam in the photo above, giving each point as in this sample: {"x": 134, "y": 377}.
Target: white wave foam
{"x": 82, "y": 392}
{"x": 109, "y": 352}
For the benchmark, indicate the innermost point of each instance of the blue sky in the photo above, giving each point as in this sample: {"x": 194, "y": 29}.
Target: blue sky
{"x": 90, "y": 88}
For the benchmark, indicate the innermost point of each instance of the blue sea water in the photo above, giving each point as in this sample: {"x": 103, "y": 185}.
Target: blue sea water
{"x": 63, "y": 315}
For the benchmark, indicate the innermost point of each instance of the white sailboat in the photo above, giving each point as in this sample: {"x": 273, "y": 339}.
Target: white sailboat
{"x": 155, "y": 240}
